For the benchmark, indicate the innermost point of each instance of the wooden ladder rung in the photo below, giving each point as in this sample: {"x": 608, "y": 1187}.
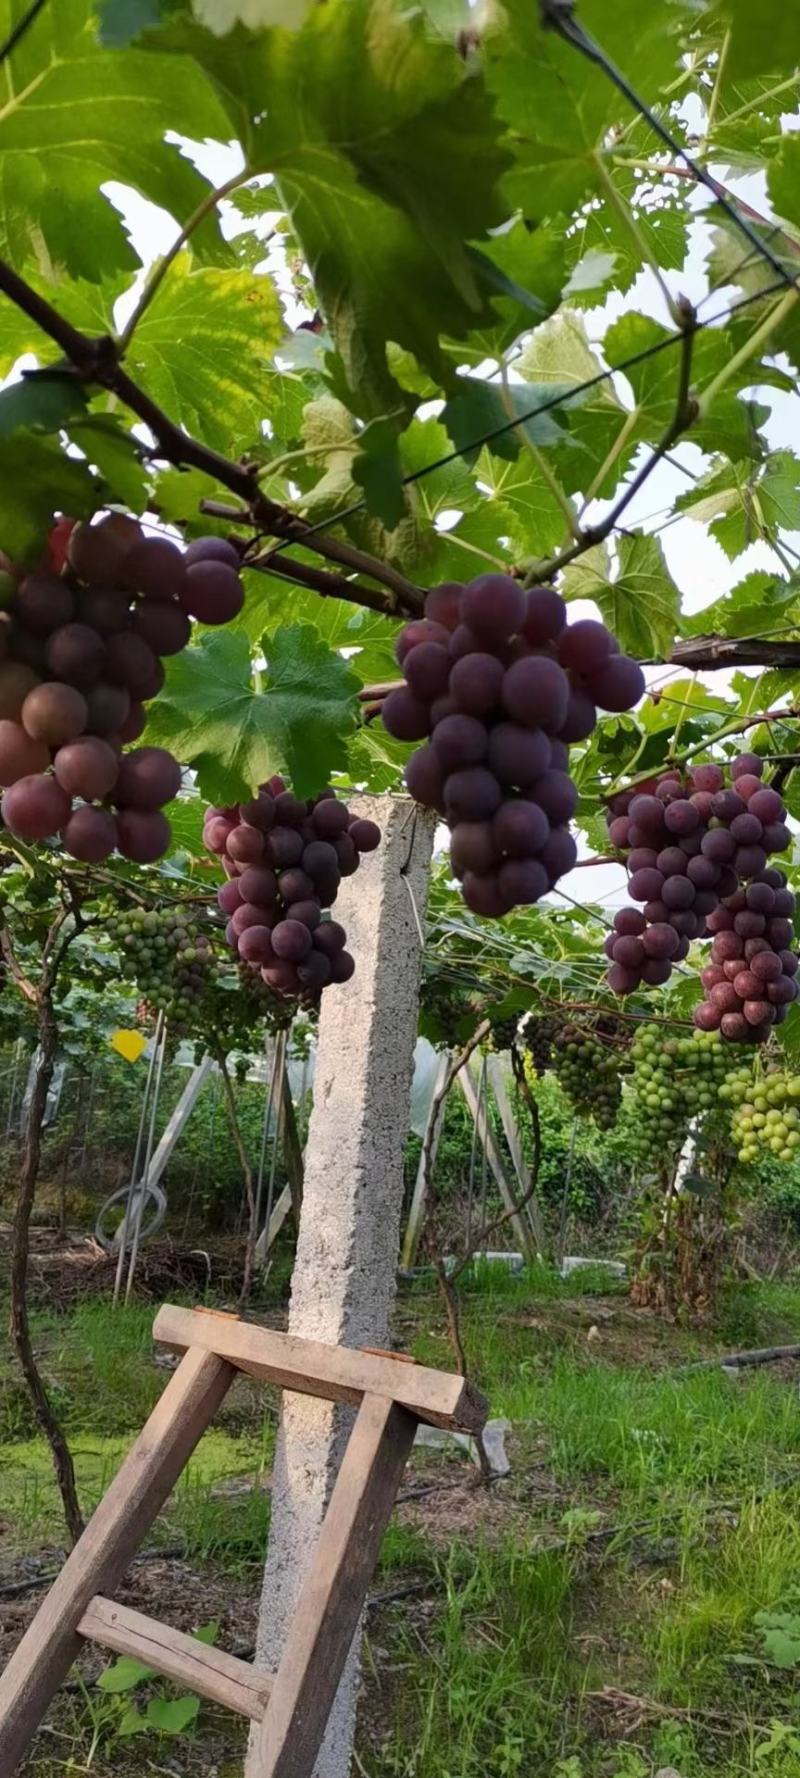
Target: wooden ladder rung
{"x": 221, "y": 1677}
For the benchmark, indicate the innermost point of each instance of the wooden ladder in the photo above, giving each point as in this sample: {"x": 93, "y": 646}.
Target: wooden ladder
{"x": 391, "y": 1394}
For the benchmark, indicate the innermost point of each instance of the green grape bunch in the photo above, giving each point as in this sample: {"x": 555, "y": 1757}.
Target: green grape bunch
{"x": 674, "y": 1081}
{"x": 169, "y": 956}
{"x": 589, "y": 1067}
{"x": 766, "y": 1113}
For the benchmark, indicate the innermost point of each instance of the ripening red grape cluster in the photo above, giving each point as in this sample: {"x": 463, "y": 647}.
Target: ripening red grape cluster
{"x": 698, "y": 854}
{"x": 498, "y": 686}
{"x": 80, "y": 655}
{"x": 284, "y": 860}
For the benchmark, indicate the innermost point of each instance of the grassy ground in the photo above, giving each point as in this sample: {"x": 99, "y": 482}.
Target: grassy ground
{"x": 599, "y": 1614}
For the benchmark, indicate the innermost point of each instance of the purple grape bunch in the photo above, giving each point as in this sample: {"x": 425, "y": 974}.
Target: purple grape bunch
{"x": 692, "y": 842}
{"x": 497, "y": 685}
{"x": 80, "y": 656}
{"x": 284, "y": 859}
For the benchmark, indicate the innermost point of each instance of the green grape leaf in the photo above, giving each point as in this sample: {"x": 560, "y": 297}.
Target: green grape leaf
{"x": 80, "y": 115}
{"x": 641, "y": 604}
{"x": 559, "y": 355}
{"x": 762, "y": 40}
{"x": 479, "y": 408}
{"x": 778, "y": 490}
{"x": 757, "y": 605}
{"x": 376, "y": 469}
{"x": 271, "y": 603}
{"x": 559, "y": 106}
{"x": 202, "y": 347}
{"x": 367, "y": 123}
{"x": 117, "y": 455}
{"x": 43, "y": 403}
{"x": 213, "y": 716}
{"x": 38, "y": 479}
{"x": 123, "y": 20}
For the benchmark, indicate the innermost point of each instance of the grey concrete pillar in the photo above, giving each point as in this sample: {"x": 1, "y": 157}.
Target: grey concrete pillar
{"x": 344, "y": 1277}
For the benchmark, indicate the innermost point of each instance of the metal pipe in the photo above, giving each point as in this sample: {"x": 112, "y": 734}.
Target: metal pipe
{"x": 145, "y": 1182}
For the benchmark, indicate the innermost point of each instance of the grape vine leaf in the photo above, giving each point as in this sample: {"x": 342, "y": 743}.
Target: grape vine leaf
{"x": 641, "y": 604}
{"x": 80, "y": 115}
{"x": 783, "y": 181}
{"x": 722, "y": 499}
{"x": 478, "y": 408}
{"x": 214, "y": 718}
{"x": 367, "y": 122}
{"x": 270, "y": 604}
{"x": 763, "y": 38}
{"x": 117, "y": 455}
{"x": 558, "y": 357}
{"x": 220, "y": 16}
{"x": 123, "y": 20}
{"x": 203, "y": 349}
{"x": 44, "y": 403}
{"x": 749, "y": 609}
{"x": 559, "y": 106}
{"x": 37, "y": 479}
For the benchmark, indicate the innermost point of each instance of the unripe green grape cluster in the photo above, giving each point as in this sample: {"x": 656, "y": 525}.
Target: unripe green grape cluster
{"x": 168, "y": 955}
{"x": 673, "y": 1081}
{"x": 766, "y": 1114}
{"x": 590, "y": 1072}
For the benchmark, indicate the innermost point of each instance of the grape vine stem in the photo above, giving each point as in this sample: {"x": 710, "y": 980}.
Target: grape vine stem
{"x": 97, "y": 360}
{"x": 153, "y": 284}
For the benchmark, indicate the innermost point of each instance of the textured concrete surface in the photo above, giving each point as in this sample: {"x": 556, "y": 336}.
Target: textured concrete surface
{"x": 344, "y": 1277}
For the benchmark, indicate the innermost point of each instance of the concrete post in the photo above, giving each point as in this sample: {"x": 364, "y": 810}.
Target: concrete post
{"x": 344, "y": 1277}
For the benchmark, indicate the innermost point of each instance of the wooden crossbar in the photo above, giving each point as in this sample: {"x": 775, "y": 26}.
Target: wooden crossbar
{"x": 290, "y": 1708}
{"x": 336, "y": 1373}
{"x": 215, "y": 1675}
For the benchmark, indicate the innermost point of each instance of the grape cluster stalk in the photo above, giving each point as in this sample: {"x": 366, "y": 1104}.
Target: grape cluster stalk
{"x": 697, "y": 858}
{"x": 80, "y": 656}
{"x": 284, "y": 859}
{"x": 498, "y": 686}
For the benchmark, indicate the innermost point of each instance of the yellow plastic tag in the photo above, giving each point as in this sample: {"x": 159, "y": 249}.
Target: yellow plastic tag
{"x": 129, "y": 1044}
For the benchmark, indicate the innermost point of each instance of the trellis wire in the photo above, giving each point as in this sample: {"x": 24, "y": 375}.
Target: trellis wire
{"x": 544, "y": 407}
{"x": 559, "y": 15}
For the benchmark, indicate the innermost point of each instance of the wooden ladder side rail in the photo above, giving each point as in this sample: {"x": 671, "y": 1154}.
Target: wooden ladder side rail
{"x": 134, "y": 1499}
{"x": 210, "y": 1671}
{"x": 332, "y": 1597}
{"x": 334, "y": 1373}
